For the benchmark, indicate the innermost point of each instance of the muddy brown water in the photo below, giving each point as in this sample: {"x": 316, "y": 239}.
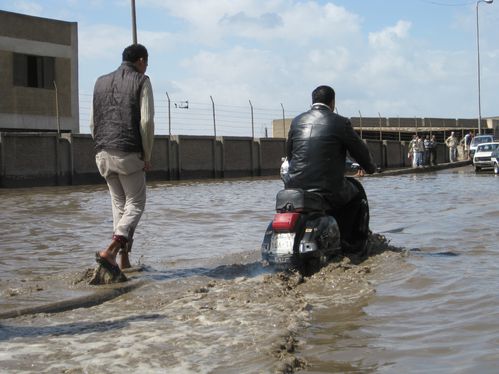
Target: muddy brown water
{"x": 425, "y": 303}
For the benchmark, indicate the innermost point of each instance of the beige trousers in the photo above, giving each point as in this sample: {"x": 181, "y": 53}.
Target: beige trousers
{"x": 126, "y": 180}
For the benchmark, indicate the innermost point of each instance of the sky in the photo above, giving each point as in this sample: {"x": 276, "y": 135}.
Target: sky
{"x": 389, "y": 58}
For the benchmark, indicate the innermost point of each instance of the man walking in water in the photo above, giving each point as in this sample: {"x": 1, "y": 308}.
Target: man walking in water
{"x": 316, "y": 149}
{"x": 122, "y": 125}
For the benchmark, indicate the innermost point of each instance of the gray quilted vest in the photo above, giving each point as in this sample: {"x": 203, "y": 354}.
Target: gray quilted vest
{"x": 117, "y": 109}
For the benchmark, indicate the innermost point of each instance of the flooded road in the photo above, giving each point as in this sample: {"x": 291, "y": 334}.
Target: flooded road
{"x": 207, "y": 305}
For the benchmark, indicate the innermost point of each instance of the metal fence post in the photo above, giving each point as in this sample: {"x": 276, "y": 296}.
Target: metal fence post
{"x": 380, "y": 133}
{"x": 252, "y": 121}
{"x": 169, "y": 115}
{"x": 214, "y": 120}
{"x": 283, "y": 123}
{"x": 360, "y": 117}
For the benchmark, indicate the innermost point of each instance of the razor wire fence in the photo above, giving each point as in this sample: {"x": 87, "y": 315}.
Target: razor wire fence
{"x": 183, "y": 117}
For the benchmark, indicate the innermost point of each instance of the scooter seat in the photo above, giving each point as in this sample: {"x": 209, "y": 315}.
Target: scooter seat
{"x": 298, "y": 200}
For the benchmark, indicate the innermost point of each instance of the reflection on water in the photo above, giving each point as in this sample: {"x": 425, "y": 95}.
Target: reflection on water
{"x": 432, "y": 309}
{"x": 51, "y": 230}
{"x": 437, "y": 311}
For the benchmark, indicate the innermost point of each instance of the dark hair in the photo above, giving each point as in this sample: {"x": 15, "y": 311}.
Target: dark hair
{"x": 135, "y": 52}
{"x": 323, "y": 94}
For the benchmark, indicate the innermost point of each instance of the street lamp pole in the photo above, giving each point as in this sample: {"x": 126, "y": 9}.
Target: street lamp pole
{"x": 134, "y": 23}
{"x": 478, "y": 63}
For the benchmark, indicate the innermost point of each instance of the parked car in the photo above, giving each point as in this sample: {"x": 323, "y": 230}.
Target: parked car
{"x": 479, "y": 139}
{"x": 483, "y": 155}
{"x": 494, "y": 157}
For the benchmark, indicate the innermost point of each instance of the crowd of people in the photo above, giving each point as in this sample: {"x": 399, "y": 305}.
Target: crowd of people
{"x": 422, "y": 150}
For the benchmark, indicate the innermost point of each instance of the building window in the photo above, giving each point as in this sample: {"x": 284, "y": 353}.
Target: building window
{"x": 34, "y": 71}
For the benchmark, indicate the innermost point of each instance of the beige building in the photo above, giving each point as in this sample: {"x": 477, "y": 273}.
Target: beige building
{"x": 280, "y": 128}
{"x": 36, "y": 56}
{"x": 374, "y": 125}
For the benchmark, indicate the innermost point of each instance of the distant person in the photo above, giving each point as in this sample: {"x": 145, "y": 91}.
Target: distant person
{"x": 433, "y": 150}
{"x": 318, "y": 142}
{"x": 411, "y": 151}
{"x": 466, "y": 142}
{"x": 451, "y": 142}
{"x": 427, "y": 150}
{"x": 419, "y": 151}
{"x": 122, "y": 125}
{"x": 416, "y": 150}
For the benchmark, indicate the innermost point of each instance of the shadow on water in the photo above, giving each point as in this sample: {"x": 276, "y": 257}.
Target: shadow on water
{"x": 11, "y": 332}
{"x": 419, "y": 251}
{"x": 226, "y": 272}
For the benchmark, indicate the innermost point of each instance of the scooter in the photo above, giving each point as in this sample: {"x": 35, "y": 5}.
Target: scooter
{"x": 304, "y": 234}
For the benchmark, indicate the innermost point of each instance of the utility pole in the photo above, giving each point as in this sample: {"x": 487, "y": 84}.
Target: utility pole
{"x": 478, "y": 63}
{"x": 134, "y": 23}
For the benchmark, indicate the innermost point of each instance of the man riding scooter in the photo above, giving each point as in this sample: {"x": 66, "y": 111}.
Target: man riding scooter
{"x": 318, "y": 142}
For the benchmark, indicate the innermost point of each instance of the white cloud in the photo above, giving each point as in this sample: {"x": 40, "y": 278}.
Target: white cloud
{"x": 108, "y": 41}
{"x": 308, "y": 21}
{"x": 102, "y": 41}
{"x": 233, "y": 76}
{"x": 327, "y": 65}
{"x": 390, "y": 36}
{"x": 201, "y": 16}
{"x": 294, "y": 46}
{"x": 270, "y": 20}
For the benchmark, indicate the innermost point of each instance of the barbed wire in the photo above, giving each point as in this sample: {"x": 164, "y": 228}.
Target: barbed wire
{"x": 196, "y": 118}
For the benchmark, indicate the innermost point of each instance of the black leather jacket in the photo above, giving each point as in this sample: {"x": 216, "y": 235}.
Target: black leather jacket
{"x": 316, "y": 149}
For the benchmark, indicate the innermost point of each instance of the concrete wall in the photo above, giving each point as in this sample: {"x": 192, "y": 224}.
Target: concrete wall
{"x": 84, "y": 168}
{"x": 34, "y": 159}
{"x": 198, "y": 157}
{"x": 44, "y": 159}
{"x": 393, "y": 154}
{"x": 377, "y": 151}
{"x": 238, "y": 156}
{"x": 271, "y": 153}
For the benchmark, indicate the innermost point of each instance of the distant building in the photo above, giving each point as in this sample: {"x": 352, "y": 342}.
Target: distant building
{"x": 493, "y": 122}
{"x": 398, "y": 128}
{"x": 34, "y": 53}
{"x": 280, "y": 127}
